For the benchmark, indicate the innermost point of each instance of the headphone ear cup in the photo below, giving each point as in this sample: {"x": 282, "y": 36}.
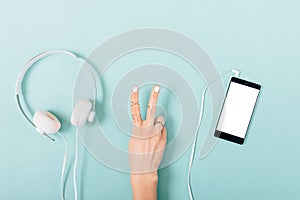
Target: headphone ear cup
{"x": 81, "y": 112}
{"x": 46, "y": 122}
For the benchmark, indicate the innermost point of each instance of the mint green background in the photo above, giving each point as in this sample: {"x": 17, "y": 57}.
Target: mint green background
{"x": 259, "y": 37}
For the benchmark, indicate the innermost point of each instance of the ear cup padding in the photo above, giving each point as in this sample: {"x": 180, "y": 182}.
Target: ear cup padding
{"x": 81, "y": 112}
{"x": 46, "y": 122}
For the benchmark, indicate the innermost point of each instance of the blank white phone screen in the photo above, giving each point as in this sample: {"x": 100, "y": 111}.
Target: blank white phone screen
{"x": 237, "y": 109}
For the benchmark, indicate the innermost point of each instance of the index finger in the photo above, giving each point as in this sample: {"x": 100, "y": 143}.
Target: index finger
{"x": 135, "y": 106}
{"x": 152, "y": 103}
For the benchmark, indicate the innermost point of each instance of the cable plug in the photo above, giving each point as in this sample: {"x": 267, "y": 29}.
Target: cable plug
{"x": 236, "y": 72}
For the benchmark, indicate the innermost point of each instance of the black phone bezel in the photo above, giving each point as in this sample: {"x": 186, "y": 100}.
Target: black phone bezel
{"x": 227, "y": 136}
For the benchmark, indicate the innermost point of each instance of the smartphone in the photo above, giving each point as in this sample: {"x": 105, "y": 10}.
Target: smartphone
{"x": 237, "y": 110}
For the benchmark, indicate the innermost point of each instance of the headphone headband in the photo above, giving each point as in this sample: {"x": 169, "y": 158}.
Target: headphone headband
{"x": 33, "y": 61}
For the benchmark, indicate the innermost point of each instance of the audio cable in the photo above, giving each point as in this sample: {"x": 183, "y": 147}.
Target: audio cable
{"x": 62, "y": 186}
{"x": 236, "y": 73}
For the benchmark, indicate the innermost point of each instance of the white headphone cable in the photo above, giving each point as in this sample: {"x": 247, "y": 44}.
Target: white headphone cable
{"x": 64, "y": 166}
{"x": 62, "y": 186}
{"x": 236, "y": 72}
{"x": 75, "y": 165}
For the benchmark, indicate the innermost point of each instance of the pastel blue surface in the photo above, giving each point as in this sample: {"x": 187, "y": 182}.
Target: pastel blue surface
{"x": 261, "y": 38}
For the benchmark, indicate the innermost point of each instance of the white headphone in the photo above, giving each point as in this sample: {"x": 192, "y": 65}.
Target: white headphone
{"x": 47, "y": 123}
{"x": 44, "y": 121}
